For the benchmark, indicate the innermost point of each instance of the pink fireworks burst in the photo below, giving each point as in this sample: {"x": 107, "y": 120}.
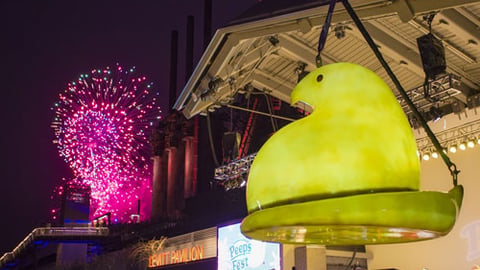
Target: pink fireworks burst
{"x": 102, "y": 122}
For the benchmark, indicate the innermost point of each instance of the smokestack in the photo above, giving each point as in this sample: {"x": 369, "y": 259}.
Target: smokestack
{"x": 173, "y": 70}
{"x": 189, "y": 162}
{"x": 207, "y": 24}
{"x": 159, "y": 189}
{"x": 171, "y": 181}
{"x": 189, "y": 48}
{"x": 138, "y": 207}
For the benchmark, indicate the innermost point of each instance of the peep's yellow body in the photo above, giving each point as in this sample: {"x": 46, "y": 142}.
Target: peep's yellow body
{"x": 356, "y": 144}
{"x": 348, "y": 145}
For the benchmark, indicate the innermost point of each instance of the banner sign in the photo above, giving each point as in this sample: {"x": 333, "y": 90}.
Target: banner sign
{"x": 186, "y": 248}
{"x": 236, "y": 252}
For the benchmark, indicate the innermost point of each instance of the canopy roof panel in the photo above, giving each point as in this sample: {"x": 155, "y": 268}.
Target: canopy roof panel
{"x": 268, "y": 45}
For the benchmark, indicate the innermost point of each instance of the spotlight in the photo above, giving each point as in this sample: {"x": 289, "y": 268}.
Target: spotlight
{"x": 205, "y": 93}
{"x": 243, "y": 183}
{"x": 426, "y": 156}
{"x": 453, "y": 149}
{"x": 434, "y": 155}
{"x": 473, "y": 101}
{"x": 414, "y": 122}
{"x": 214, "y": 84}
{"x": 300, "y": 70}
{"x": 339, "y": 31}
{"x": 248, "y": 88}
{"x": 273, "y": 40}
{"x": 462, "y": 146}
{"x": 435, "y": 113}
{"x": 470, "y": 143}
{"x": 458, "y": 107}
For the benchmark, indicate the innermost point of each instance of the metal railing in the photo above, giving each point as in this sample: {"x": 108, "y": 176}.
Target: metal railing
{"x": 52, "y": 233}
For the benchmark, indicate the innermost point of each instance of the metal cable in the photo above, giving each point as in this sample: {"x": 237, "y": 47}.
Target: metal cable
{"x": 351, "y": 260}
{"x": 451, "y": 166}
{"x": 210, "y": 138}
{"x": 323, "y": 35}
{"x": 269, "y": 106}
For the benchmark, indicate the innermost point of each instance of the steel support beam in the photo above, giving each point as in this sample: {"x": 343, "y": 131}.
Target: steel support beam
{"x": 263, "y": 81}
{"x": 395, "y": 49}
{"x": 295, "y": 49}
{"x": 461, "y": 26}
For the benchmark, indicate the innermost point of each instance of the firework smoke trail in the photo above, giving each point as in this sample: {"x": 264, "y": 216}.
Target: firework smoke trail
{"x": 102, "y": 122}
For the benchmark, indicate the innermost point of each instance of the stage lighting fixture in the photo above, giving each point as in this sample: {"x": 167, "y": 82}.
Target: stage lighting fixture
{"x": 300, "y": 70}
{"x": 453, "y": 149}
{"x": 470, "y": 143}
{"x": 434, "y": 155}
{"x": 214, "y": 84}
{"x": 473, "y": 101}
{"x": 462, "y": 146}
{"x": 458, "y": 107}
{"x": 339, "y": 31}
{"x": 273, "y": 40}
{"x": 435, "y": 113}
{"x": 414, "y": 122}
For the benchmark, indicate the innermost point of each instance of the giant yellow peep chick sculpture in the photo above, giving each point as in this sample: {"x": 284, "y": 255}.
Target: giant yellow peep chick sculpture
{"x": 346, "y": 174}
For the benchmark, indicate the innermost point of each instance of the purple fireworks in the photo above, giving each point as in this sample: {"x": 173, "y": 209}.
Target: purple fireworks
{"x": 102, "y": 122}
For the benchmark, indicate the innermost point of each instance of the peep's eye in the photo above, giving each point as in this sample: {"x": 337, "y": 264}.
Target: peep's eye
{"x": 319, "y": 77}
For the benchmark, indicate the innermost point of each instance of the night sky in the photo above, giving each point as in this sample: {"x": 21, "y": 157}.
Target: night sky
{"x": 46, "y": 44}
